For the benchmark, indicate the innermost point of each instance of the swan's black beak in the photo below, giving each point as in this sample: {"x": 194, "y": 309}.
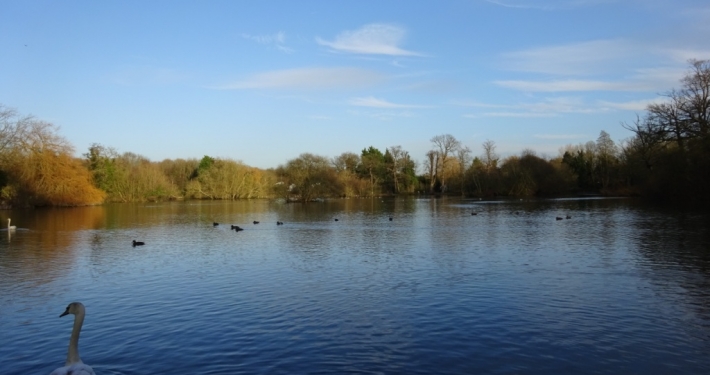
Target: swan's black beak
{"x": 66, "y": 312}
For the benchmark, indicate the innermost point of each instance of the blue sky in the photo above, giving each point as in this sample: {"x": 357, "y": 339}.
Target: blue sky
{"x": 264, "y": 81}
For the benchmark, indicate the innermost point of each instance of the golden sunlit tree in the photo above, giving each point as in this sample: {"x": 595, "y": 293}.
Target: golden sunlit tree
{"x": 38, "y": 166}
{"x": 306, "y": 178}
{"x": 141, "y": 180}
{"x": 228, "y": 179}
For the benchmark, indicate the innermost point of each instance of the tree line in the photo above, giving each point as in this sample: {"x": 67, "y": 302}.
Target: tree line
{"x": 666, "y": 158}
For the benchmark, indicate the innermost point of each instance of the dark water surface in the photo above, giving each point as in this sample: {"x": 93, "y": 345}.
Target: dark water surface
{"x": 617, "y": 289}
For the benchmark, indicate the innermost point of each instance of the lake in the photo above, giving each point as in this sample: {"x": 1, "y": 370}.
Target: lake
{"x": 618, "y": 288}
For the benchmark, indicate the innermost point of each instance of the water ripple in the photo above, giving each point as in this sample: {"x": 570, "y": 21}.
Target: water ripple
{"x": 616, "y": 289}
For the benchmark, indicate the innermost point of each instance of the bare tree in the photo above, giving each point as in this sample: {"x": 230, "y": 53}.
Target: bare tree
{"x": 12, "y": 129}
{"x": 686, "y": 114}
{"x": 347, "y": 161}
{"x": 607, "y": 157}
{"x": 445, "y": 145}
{"x": 463, "y": 154}
{"x": 431, "y": 162}
{"x": 398, "y": 156}
{"x": 696, "y": 88}
{"x": 490, "y": 158}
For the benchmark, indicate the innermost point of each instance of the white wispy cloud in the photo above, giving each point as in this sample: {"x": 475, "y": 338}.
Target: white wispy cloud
{"x": 682, "y": 55}
{"x": 600, "y": 65}
{"x": 278, "y": 39}
{"x": 433, "y": 86}
{"x": 308, "y": 79}
{"x": 548, "y": 107}
{"x": 511, "y": 114}
{"x": 584, "y": 58}
{"x": 383, "y": 115}
{"x": 475, "y": 103}
{"x": 661, "y": 77}
{"x": 563, "y": 104}
{"x": 633, "y": 105}
{"x": 380, "y": 103}
{"x": 546, "y": 4}
{"x": 561, "y": 136}
{"x": 373, "y": 39}
{"x": 571, "y": 85}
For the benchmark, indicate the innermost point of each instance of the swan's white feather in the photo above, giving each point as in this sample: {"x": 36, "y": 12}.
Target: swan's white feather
{"x": 74, "y": 369}
{"x": 73, "y": 364}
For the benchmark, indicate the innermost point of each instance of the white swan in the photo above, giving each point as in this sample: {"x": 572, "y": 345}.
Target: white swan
{"x": 74, "y": 365}
{"x": 10, "y": 227}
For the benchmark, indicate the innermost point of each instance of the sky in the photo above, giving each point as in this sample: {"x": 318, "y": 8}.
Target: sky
{"x": 264, "y": 81}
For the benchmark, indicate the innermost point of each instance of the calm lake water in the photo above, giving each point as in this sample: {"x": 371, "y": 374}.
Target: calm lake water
{"x": 619, "y": 288}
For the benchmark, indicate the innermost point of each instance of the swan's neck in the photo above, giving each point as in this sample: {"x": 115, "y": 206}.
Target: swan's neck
{"x": 73, "y": 353}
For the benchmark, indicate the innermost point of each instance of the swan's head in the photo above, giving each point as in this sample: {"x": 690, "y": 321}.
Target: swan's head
{"x": 73, "y": 308}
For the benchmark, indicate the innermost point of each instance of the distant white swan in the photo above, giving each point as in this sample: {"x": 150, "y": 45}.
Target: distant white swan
{"x": 10, "y": 227}
{"x": 74, "y": 365}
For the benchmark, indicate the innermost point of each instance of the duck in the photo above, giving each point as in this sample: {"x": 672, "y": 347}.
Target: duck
{"x": 474, "y": 213}
{"x": 10, "y": 227}
{"x": 279, "y": 223}
{"x": 214, "y": 224}
{"x": 568, "y": 217}
{"x": 255, "y": 222}
{"x": 236, "y": 228}
{"x": 558, "y": 218}
{"x": 391, "y": 218}
{"x": 138, "y": 243}
{"x": 74, "y": 365}
{"x": 335, "y": 219}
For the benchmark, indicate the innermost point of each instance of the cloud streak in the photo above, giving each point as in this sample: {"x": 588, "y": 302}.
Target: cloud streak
{"x": 561, "y": 136}
{"x": 277, "y": 39}
{"x": 634, "y": 105}
{"x": 572, "y": 85}
{"x": 600, "y": 65}
{"x": 373, "y": 102}
{"x": 554, "y": 107}
{"x": 512, "y": 114}
{"x": 308, "y": 79}
{"x": 584, "y": 58}
{"x": 373, "y": 39}
{"x": 546, "y": 4}
{"x": 383, "y": 115}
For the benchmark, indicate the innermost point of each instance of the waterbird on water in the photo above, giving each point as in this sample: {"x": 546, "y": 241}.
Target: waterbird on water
{"x": 236, "y": 228}
{"x": 215, "y": 224}
{"x": 74, "y": 365}
{"x": 138, "y": 243}
{"x": 10, "y": 227}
